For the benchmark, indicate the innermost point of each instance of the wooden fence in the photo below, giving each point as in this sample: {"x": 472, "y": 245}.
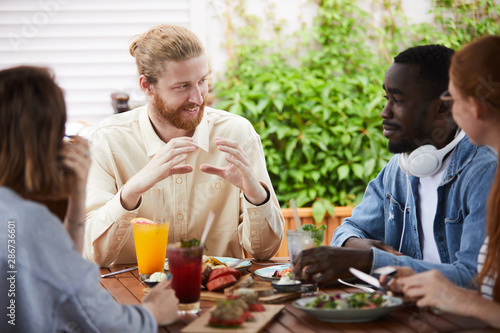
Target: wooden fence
{"x": 58, "y": 207}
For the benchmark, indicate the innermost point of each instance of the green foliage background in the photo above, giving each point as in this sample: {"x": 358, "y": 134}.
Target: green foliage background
{"x": 315, "y": 97}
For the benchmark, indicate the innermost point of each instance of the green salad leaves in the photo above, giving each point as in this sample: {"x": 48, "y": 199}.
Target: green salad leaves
{"x": 354, "y": 301}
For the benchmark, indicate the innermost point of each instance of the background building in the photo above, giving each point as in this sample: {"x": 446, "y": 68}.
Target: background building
{"x": 85, "y": 42}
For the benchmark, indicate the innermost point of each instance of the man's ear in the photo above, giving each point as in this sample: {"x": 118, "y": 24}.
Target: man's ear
{"x": 443, "y": 110}
{"x": 146, "y": 87}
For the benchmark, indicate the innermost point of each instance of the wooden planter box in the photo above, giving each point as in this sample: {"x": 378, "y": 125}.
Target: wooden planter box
{"x": 305, "y": 215}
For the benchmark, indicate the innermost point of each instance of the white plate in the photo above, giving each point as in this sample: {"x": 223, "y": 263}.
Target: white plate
{"x": 349, "y": 315}
{"x": 243, "y": 266}
{"x": 267, "y": 272}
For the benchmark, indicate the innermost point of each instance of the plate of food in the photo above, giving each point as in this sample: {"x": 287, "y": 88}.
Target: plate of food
{"x": 242, "y": 266}
{"x": 226, "y": 317}
{"x": 273, "y": 273}
{"x": 219, "y": 262}
{"x": 348, "y": 308}
{"x": 238, "y": 312}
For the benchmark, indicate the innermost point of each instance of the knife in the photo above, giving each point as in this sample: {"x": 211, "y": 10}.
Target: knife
{"x": 119, "y": 272}
{"x": 372, "y": 281}
{"x": 386, "y": 270}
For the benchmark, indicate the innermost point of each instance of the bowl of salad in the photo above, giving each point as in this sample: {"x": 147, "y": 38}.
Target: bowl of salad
{"x": 348, "y": 308}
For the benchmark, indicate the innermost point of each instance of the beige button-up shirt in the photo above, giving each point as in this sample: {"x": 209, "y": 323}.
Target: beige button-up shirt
{"x": 123, "y": 144}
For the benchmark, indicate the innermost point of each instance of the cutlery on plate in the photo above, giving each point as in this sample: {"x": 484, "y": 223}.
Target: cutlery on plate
{"x": 119, "y": 272}
{"x": 364, "y": 288}
{"x": 268, "y": 263}
{"x": 237, "y": 262}
{"x": 372, "y": 281}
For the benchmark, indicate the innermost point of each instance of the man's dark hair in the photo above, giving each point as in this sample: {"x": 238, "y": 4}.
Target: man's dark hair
{"x": 434, "y": 61}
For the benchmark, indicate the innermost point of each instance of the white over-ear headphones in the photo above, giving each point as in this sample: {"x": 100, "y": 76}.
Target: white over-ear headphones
{"x": 426, "y": 160}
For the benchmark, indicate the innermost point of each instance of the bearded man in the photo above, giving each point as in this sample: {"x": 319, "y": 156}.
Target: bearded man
{"x": 176, "y": 160}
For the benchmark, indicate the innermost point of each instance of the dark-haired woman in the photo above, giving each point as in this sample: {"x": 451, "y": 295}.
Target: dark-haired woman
{"x": 49, "y": 286}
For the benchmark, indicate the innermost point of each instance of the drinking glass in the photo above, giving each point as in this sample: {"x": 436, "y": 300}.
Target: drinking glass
{"x": 185, "y": 266}
{"x": 150, "y": 240}
{"x": 298, "y": 241}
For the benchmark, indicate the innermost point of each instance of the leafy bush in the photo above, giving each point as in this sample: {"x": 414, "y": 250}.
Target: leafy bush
{"x": 318, "y": 114}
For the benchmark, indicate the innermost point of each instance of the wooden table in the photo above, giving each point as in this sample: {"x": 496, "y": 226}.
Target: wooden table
{"x": 127, "y": 288}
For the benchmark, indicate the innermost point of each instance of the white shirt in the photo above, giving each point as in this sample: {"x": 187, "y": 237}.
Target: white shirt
{"x": 124, "y": 143}
{"x": 427, "y": 195}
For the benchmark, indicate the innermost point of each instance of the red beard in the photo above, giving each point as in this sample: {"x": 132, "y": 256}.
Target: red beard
{"x": 176, "y": 117}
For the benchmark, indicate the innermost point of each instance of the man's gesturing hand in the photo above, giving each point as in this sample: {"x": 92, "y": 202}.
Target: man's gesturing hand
{"x": 238, "y": 172}
{"x": 164, "y": 164}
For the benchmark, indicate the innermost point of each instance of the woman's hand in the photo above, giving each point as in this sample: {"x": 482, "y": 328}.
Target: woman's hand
{"x": 394, "y": 284}
{"x": 432, "y": 289}
{"x": 162, "y": 303}
{"x": 76, "y": 157}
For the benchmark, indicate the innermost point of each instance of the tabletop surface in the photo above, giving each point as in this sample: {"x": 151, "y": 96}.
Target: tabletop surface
{"x": 127, "y": 288}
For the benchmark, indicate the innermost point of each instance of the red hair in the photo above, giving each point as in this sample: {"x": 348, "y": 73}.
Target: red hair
{"x": 475, "y": 71}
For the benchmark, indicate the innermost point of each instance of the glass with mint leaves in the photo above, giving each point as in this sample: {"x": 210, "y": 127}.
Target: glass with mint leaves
{"x": 318, "y": 233}
{"x": 304, "y": 237}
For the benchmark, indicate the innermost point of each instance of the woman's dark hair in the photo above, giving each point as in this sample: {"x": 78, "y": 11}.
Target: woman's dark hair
{"x": 32, "y": 122}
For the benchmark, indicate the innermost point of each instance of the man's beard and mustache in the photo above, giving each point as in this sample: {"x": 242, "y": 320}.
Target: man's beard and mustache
{"x": 176, "y": 117}
{"x": 405, "y": 145}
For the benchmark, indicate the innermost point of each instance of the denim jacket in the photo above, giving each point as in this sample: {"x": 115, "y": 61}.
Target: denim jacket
{"x": 459, "y": 223}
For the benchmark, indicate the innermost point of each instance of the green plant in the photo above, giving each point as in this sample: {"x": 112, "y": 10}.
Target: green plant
{"x": 315, "y": 98}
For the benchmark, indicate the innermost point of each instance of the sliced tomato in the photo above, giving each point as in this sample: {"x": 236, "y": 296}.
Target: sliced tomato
{"x": 248, "y": 316}
{"x": 285, "y": 272}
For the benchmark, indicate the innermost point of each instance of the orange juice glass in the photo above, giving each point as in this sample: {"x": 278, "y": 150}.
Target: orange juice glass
{"x": 150, "y": 245}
